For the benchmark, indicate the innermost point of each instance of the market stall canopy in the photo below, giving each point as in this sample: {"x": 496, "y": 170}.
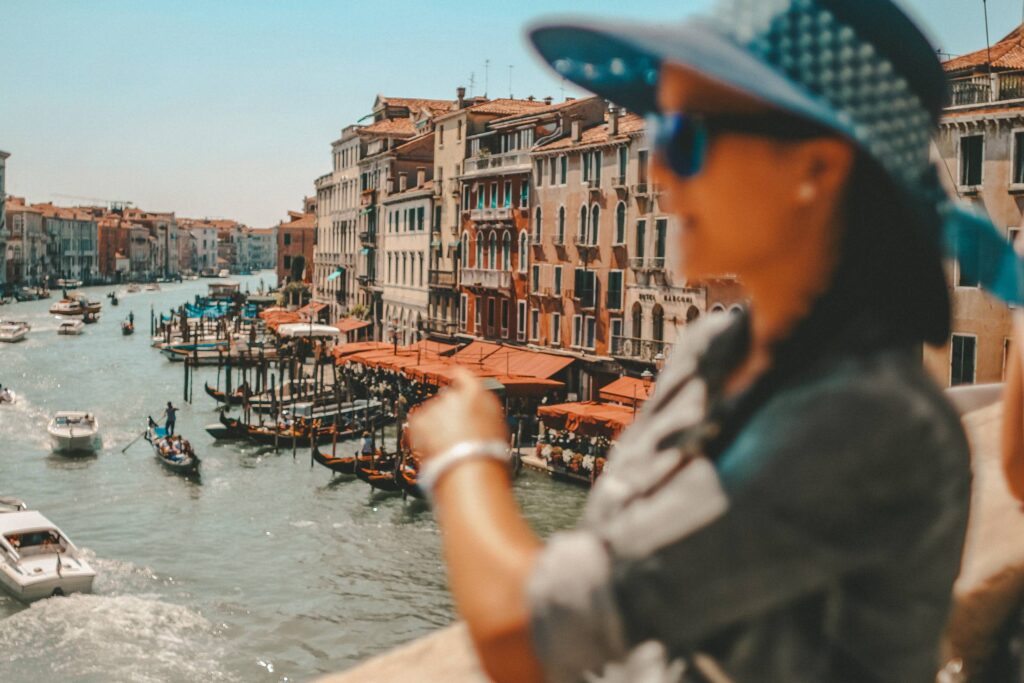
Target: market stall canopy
{"x": 351, "y": 324}
{"x": 276, "y": 316}
{"x": 308, "y": 330}
{"x": 587, "y": 418}
{"x": 512, "y": 361}
{"x": 345, "y": 351}
{"x": 311, "y": 310}
{"x": 627, "y": 390}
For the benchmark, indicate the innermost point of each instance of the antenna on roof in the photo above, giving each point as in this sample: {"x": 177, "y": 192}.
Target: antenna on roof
{"x": 472, "y": 83}
{"x": 510, "y": 67}
{"x": 487, "y": 76}
{"x": 988, "y": 43}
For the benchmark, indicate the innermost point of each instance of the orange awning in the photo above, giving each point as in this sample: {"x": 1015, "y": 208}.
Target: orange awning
{"x": 351, "y": 324}
{"x": 626, "y": 390}
{"x": 344, "y": 351}
{"x": 513, "y": 361}
{"x": 589, "y": 418}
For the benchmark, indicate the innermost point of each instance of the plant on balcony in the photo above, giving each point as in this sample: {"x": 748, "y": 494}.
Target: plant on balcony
{"x": 360, "y": 311}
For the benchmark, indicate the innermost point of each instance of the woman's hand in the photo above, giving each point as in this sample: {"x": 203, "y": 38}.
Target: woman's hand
{"x": 464, "y": 411}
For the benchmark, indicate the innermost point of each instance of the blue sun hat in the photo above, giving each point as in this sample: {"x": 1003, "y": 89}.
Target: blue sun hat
{"x": 860, "y": 68}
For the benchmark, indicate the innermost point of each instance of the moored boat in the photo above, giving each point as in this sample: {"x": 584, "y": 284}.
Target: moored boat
{"x": 67, "y": 307}
{"x": 407, "y": 475}
{"x": 12, "y": 331}
{"x": 235, "y": 398}
{"x": 152, "y": 287}
{"x": 36, "y": 559}
{"x": 74, "y": 432}
{"x": 71, "y": 327}
{"x": 380, "y": 474}
{"x": 173, "y": 452}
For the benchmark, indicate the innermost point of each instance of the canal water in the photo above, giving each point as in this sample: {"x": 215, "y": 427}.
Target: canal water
{"x": 264, "y": 570}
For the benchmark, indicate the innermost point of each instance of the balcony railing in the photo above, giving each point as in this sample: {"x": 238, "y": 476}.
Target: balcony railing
{"x": 368, "y": 236}
{"x": 619, "y": 182}
{"x": 486, "y": 279}
{"x": 366, "y": 280}
{"x": 500, "y": 213}
{"x": 491, "y": 164}
{"x": 984, "y": 89}
{"x": 641, "y": 264}
{"x": 440, "y": 326}
{"x": 641, "y": 189}
{"x": 442, "y": 278}
{"x": 645, "y": 350}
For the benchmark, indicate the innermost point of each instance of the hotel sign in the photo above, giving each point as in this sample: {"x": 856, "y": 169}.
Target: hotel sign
{"x": 670, "y": 298}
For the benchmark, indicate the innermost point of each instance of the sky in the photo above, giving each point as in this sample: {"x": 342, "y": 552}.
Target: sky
{"x": 227, "y": 108}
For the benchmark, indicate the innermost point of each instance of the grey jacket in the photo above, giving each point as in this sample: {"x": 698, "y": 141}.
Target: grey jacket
{"x": 820, "y": 545}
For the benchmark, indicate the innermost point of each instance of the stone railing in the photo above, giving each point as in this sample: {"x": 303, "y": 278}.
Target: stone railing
{"x": 645, "y": 350}
{"x": 497, "y": 163}
{"x": 488, "y": 279}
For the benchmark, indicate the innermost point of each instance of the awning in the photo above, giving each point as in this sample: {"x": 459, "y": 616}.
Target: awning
{"x": 311, "y": 309}
{"x": 351, "y": 324}
{"x": 626, "y": 390}
{"x": 513, "y": 361}
{"x": 309, "y": 330}
{"x": 343, "y": 351}
{"x": 364, "y": 250}
{"x": 588, "y": 419}
{"x": 336, "y": 274}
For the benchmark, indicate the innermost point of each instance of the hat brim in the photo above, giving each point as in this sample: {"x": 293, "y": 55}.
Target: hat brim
{"x": 621, "y": 62}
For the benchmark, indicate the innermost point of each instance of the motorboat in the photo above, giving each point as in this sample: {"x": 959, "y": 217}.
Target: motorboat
{"x": 36, "y": 559}
{"x": 90, "y": 318}
{"x": 71, "y": 327}
{"x": 74, "y": 431}
{"x": 67, "y": 307}
{"x": 88, "y": 305}
{"x": 173, "y": 452}
{"x": 224, "y": 272}
{"x": 133, "y": 289}
{"x": 152, "y": 287}
{"x": 13, "y": 331}
{"x": 69, "y": 283}
{"x": 7, "y": 397}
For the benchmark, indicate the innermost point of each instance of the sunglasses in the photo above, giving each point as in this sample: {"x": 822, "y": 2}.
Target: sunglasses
{"x": 683, "y": 140}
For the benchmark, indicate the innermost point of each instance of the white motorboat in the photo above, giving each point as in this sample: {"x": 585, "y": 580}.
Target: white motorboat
{"x": 72, "y": 431}
{"x": 133, "y": 289}
{"x": 67, "y": 307}
{"x": 224, "y": 273}
{"x": 7, "y": 397}
{"x": 152, "y": 287}
{"x": 69, "y": 283}
{"x": 71, "y": 327}
{"x": 36, "y": 559}
{"x": 87, "y": 304}
{"x": 13, "y": 331}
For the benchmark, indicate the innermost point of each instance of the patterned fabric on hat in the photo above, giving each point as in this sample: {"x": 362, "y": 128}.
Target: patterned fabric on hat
{"x": 807, "y": 43}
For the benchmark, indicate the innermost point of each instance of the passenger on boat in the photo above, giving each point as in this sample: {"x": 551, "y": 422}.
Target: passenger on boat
{"x": 14, "y": 540}
{"x": 367, "y": 446}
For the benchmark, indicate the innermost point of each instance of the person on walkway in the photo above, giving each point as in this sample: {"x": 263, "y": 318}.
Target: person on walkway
{"x": 171, "y": 414}
{"x": 790, "y": 504}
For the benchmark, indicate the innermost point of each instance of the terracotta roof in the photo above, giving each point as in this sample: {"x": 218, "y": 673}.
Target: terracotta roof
{"x": 507, "y": 107}
{"x": 546, "y": 109}
{"x": 595, "y": 135}
{"x": 1008, "y": 53}
{"x": 418, "y": 104}
{"x": 391, "y": 127}
{"x": 300, "y": 220}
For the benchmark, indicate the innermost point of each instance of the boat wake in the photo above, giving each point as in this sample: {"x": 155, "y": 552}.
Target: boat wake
{"x": 110, "y": 638}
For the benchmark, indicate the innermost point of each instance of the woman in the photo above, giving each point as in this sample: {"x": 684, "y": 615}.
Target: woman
{"x": 792, "y": 500}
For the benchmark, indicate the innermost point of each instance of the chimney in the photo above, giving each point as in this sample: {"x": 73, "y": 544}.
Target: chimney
{"x": 421, "y": 176}
{"x": 403, "y": 182}
{"x": 613, "y": 120}
{"x": 531, "y": 98}
{"x": 575, "y": 136}
{"x": 548, "y": 100}
{"x": 460, "y": 95}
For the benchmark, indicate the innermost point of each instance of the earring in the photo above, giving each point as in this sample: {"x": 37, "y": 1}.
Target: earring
{"x": 807, "y": 193}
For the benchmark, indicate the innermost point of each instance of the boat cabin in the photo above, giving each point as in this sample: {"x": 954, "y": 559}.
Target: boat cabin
{"x": 223, "y": 290}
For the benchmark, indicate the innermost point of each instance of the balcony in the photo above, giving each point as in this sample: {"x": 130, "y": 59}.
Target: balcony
{"x": 440, "y": 326}
{"x": 442, "y": 278}
{"x": 486, "y": 279}
{"x": 366, "y": 280}
{"x": 501, "y": 213}
{"x": 594, "y": 187}
{"x": 642, "y": 264}
{"x": 368, "y": 237}
{"x": 644, "y": 350}
{"x": 495, "y": 164}
{"x": 619, "y": 182}
{"x": 368, "y": 197}
{"x": 985, "y": 89}
{"x": 535, "y": 239}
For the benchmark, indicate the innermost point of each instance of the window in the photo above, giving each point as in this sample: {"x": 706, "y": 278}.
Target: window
{"x": 506, "y": 200}
{"x": 596, "y": 167}
{"x": 616, "y": 328}
{"x": 492, "y": 252}
{"x": 539, "y": 173}
{"x": 968, "y": 264}
{"x": 465, "y": 199}
{"x": 287, "y": 239}
{"x": 490, "y": 313}
{"x": 523, "y": 258}
{"x": 535, "y": 279}
{"x": 585, "y": 176}
{"x": 464, "y": 251}
{"x": 556, "y": 328}
{"x": 534, "y": 324}
{"x": 458, "y": 130}
{"x": 287, "y": 261}
{"x": 440, "y": 134}
{"x": 506, "y": 251}
{"x": 971, "y": 156}
{"x": 504, "y": 317}
{"x": 478, "y": 316}
{"x": 480, "y": 196}
{"x": 494, "y": 195}
{"x": 479, "y": 263}
{"x": 658, "y": 333}
{"x": 577, "y": 331}
{"x": 558, "y": 280}
{"x": 552, "y": 167}
{"x": 641, "y": 167}
{"x": 524, "y": 193}
{"x": 620, "y": 223}
{"x": 563, "y": 165}
{"x": 421, "y": 219}
{"x": 581, "y": 233}
{"x": 520, "y": 320}
{"x": 660, "y": 228}
{"x": 595, "y": 225}
{"x": 560, "y": 232}
{"x": 537, "y": 229}
{"x": 623, "y": 163}
{"x": 963, "y": 360}
{"x": 641, "y": 238}
{"x": 590, "y": 331}
{"x": 586, "y": 287}
{"x": 638, "y": 321}
{"x": 615, "y": 290}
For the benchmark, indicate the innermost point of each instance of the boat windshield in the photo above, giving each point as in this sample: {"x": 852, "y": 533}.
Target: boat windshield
{"x": 43, "y": 540}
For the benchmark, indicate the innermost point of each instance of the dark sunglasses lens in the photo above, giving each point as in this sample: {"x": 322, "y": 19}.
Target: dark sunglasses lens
{"x": 684, "y": 148}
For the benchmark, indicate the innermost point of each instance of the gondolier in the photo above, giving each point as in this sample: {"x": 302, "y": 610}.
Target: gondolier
{"x": 170, "y": 414}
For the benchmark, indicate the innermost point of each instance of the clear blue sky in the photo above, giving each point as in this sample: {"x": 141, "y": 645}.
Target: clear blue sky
{"x": 226, "y": 108}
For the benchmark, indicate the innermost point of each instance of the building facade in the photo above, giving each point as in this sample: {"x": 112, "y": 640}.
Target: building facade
{"x": 406, "y": 243}
{"x": 26, "y": 244}
{"x": 3, "y": 216}
{"x": 294, "y": 238}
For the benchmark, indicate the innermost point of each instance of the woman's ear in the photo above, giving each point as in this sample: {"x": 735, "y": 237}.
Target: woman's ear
{"x": 823, "y": 166}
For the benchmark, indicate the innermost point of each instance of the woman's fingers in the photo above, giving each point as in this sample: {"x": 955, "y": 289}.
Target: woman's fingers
{"x": 462, "y": 412}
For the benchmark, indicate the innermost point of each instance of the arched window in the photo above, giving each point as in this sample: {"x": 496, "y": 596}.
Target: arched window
{"x": 638, "y": 321}
{"x": 735, "y": 309}
{"x": 620, "y": 223}
{"x": 595, "y": 224}
{"x": 522, "y": 252}
{"x": 492, "y": 252}
{"x": 479, "y": 263}
{"x": 581, "y": 233}
{"x": 560, "y": 234}
{"x": 658, "y": 332}
{"x": 464, "y": 256}
{"x": 537, "y": 226}
{"x": 506, "y": 251}
{"x": 692, "y": 313}
{"x": 718, "y": 308}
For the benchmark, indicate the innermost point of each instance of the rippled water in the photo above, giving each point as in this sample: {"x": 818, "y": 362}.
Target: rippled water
{"x": 266, "y": 570}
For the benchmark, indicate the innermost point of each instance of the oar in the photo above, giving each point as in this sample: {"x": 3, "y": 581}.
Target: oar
{"x": 136, "y": 439}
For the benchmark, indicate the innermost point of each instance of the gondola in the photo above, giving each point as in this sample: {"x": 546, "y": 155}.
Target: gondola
{"x": 187, "y": 463}
{"x": 127, "y": 328}
{"x": 235, "y": 398}
{"x": 408, "y": 479}
{"x": 341, "y": 465}
{"x": 380, "y": 475}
